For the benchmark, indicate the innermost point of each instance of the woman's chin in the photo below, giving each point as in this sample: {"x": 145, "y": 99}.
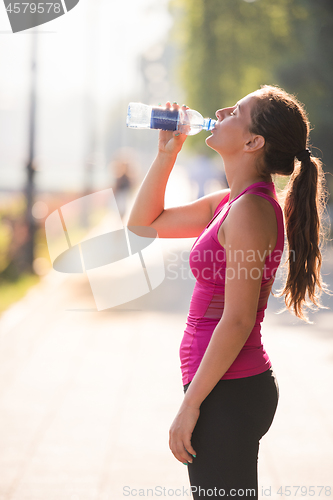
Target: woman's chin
{"x": 210, "y": 141}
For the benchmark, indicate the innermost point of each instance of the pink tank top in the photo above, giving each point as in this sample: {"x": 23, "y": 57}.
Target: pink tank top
{"x": 208, "y": 264}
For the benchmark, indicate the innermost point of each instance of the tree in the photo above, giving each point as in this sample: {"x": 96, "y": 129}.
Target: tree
{"x": 231, "y": 47}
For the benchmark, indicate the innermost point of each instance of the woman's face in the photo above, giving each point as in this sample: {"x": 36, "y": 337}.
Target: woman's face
{"x": 231, "y": 132}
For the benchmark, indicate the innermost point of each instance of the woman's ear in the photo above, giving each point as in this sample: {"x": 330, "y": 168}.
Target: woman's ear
{"x": 255, "y": 143}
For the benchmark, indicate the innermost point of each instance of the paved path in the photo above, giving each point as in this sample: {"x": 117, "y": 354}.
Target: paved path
{"x": 87, "y": 398}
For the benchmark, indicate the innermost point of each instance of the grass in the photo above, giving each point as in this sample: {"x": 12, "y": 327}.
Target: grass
{"x": 11, "y": 292}
{"x": 12, "y": 209}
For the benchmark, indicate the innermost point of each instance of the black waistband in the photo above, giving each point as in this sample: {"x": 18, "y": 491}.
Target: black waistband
{"x": 266, "y": 373}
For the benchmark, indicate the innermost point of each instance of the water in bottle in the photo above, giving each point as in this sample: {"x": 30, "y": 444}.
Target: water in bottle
{"x": 187, "y": 121}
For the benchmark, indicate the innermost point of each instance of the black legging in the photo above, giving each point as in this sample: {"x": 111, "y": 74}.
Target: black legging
{"x": 233, "y": 418}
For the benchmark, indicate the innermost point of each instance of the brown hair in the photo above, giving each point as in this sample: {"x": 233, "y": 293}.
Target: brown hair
{"x": 281, "y": 119}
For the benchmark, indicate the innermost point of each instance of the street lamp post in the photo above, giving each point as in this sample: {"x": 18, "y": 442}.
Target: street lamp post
{"x": 30, "y": 168}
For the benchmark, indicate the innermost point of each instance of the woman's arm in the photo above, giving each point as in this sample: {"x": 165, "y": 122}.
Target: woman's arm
{"x": 246, "y": 230}
{"x": 149, "y": 202}
{"x": 148, "y": 210}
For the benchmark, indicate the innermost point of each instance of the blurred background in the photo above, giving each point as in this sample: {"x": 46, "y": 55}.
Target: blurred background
{"x": 68, "y": 375}
{"x": 66, "y": 85}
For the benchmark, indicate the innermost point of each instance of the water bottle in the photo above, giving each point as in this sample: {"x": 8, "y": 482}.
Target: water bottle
{"x": 188, "y": 121}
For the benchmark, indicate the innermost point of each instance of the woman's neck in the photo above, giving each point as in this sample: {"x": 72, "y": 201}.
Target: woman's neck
{"x": 241, "y": 178}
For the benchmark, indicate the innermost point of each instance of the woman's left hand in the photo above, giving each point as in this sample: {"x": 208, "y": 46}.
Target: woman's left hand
{"x": 181, "y": 432}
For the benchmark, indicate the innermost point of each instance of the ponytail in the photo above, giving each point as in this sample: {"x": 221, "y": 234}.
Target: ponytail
{"x": 304, "y": 202}
{"x": 282, "y": 120}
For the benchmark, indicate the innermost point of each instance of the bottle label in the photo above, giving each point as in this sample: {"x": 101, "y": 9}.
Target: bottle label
{"x": 164, "y": 119}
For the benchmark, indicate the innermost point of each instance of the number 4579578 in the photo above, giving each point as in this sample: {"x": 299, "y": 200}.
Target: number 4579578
{"x": 32, "y": 8}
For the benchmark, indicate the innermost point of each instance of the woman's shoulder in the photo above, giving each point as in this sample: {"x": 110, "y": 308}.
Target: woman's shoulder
{"x": 253, "y": 207}
{"x": 252, "y": 214}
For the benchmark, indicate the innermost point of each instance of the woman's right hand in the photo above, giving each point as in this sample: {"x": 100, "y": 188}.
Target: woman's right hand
{"x": 171, "y": 142}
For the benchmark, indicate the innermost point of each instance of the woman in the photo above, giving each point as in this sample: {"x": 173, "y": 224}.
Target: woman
{"x": 231, "y": 392}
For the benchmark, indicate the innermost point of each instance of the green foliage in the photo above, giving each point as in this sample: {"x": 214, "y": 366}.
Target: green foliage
{"x": 5, "y": 238}
{"x": 13, "y": 282}
{"x": 229, "y": 48}
{"x": 11, "y": 209}
{"x": 11, "y": 292}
